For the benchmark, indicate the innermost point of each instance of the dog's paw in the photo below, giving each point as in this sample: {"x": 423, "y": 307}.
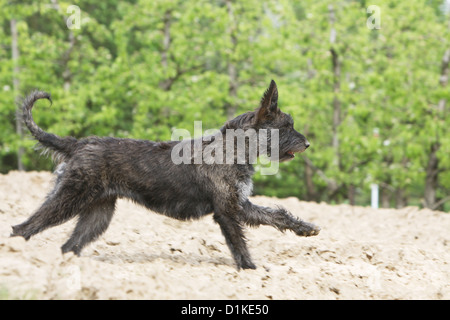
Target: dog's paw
{"x": 248, "y": 265}
{"x": 307, "y": 229}
{"x": 17, "y": 231}
{"x": 245, "y": 263}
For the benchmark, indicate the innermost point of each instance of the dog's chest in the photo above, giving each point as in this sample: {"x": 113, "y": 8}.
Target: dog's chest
{"x": 245, "y": 189}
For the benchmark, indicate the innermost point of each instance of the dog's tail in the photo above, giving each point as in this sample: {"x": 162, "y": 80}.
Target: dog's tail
{"x": 62, "y": 146}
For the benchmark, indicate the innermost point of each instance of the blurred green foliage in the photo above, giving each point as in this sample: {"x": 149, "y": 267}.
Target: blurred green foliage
{"x": 142, "y": 68}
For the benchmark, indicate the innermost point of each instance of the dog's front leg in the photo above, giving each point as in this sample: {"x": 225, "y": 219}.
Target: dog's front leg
{"x": 279, "y": 218}
{"x": 234, "y": 236}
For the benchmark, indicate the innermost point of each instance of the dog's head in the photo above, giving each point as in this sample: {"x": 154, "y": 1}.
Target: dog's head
{"x": 269, "y": 116}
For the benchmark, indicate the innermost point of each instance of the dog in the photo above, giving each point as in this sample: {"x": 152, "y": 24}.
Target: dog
{"x": 93, "y": 172}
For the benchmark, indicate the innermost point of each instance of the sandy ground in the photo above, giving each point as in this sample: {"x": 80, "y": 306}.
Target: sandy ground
{"x": 360, "y": 253}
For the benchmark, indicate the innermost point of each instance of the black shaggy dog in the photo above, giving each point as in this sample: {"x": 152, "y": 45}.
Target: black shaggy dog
{"x": 94, "y": 172}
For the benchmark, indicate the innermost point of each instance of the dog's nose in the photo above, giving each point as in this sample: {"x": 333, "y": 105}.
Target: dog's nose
{"x": 307, "y": 144}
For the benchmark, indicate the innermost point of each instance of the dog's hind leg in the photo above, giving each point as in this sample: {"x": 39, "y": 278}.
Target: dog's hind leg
{"x": 91, "y": 224}
{"x": 50, "y": 214}
{"x": 279, "y": 218}
{"x": 62, "y": 204}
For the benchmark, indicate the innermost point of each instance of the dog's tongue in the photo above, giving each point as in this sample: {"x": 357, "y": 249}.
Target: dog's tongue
{"x": 291, "y": 153}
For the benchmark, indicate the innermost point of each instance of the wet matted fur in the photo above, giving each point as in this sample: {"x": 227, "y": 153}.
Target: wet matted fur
{"x": 94, "y": 172}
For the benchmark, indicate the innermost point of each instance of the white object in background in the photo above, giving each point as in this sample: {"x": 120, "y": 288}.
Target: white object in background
{"x": 374, "y": 195}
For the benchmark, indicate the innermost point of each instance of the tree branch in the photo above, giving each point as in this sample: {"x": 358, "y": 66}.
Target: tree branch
{"x": 331, "y": 183}
{"x": 440, "y": 202}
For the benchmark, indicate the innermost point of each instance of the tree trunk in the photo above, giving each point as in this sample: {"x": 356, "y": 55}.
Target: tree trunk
{"x": 443, "y": 79}
{"x": 167, "y": 83}
{"x": 432, "y": 170}
{"x": 336, "y": 63}
{"x": 181, "y": 68}
{"x": 16, "y": 84}
{"x": 385, "y": 197}
{"x": 400, "y": 199}
{"x": 166, "y": 39}
{"x": 311, "y": 193}
{"x": 431, "y": 178}
{"x": 67, "y": 74}
{"x": 336, "y": 105}
{"x": 231, "y": 107}
{"x": 352, "y": 194}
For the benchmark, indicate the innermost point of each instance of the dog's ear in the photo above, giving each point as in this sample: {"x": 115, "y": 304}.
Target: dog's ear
{"x": 269, "y": 102}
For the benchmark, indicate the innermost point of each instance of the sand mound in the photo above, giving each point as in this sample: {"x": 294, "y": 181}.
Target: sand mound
{"x": 360, "y": 253}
